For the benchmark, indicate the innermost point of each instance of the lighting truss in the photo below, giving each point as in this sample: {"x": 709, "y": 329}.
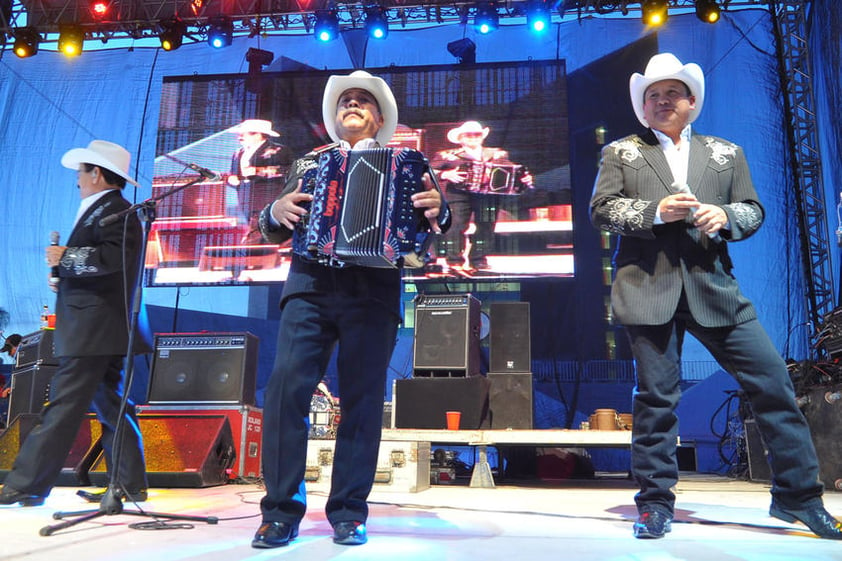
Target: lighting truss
{"x": 140, "y": 19}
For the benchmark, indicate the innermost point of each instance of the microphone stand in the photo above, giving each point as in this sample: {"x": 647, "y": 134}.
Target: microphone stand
{"x": 111, "y": 503}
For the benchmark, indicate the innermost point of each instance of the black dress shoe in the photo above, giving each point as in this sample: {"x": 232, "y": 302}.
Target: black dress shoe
{"x": 9, "y": 496}
{"x": 274, "y": 534}
{"x": 349, "y": 533}
{"x": 652, "y": 524}
{"x": 816, "y": 518}
{"x": 96, "y": 497}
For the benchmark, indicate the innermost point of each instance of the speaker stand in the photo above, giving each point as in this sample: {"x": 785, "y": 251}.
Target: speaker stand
{"x": 111, "y": 503}
{"x": 481, "y": 476}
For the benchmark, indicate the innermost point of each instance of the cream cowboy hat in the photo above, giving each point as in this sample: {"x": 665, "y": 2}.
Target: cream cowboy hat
{"x": 666, "y": 66}
{"x": 376, "y": 86}
{"x": 255, "y": 125}
{"x": 101, "y": 153}
{"x": 466, "y": 127}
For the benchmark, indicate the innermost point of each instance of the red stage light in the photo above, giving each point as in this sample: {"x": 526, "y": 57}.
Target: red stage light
{"x": 99, "y": 8}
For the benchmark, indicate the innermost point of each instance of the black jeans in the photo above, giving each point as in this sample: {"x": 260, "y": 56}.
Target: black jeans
{"x": 310, "y": 327}
{"x": 744, "y": 351}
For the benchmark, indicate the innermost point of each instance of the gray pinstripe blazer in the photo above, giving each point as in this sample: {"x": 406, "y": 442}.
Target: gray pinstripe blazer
{"x": 655, "y": 262}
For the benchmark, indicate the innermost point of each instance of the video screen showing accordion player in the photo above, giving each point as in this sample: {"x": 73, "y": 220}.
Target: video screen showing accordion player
{"x": 495, "y": 136}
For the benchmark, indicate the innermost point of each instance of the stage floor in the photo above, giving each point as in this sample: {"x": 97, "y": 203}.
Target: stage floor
{"x": 717, "y": 519}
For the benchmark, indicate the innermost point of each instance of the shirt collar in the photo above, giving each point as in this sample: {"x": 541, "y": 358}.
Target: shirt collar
{"x": 361, "y": 145}
{"x": 666, "y": 141}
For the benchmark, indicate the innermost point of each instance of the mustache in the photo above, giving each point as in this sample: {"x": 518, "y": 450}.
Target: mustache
{"x": 353, "y": 111}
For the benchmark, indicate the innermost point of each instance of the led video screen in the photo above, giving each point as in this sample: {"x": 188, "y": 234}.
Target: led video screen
{"x": 495, "y": 135}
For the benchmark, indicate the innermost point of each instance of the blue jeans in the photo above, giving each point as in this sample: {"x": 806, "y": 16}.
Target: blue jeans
{"x": 744, "y": 351}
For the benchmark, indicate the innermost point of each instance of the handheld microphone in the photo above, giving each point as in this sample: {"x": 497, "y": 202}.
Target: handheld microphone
{"x": 54, "y": 274}
{"x": 205, "y": 172}
{"x": 684, "y": 188}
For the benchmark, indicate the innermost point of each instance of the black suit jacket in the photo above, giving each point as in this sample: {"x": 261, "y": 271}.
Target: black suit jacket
{"x": 267, "y": 155}
{"x": 654, "y": 263}
{"x": 98, "y": 272}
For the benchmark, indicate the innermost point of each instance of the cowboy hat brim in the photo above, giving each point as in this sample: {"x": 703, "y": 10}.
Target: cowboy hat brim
{"x": 374, "y": 85}
{"x": 72, "y": 158}
{"x": 666, "y": 66}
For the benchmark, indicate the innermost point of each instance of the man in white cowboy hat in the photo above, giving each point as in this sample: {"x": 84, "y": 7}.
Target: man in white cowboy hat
{"x": 464, "y": 174}
{"x": 258, "y": 167}
{"x": 97, "y": 271}
{"x": 357, "y": 307}
{"x": 677, "y": 198}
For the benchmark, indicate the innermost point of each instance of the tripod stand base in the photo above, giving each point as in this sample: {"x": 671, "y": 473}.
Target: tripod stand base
{"x": 111, "y": 505}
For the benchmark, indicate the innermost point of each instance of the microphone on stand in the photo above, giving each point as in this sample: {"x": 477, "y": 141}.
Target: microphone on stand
{"x": 684, "y": 188}
{"x": 205, "y": 172}
{"x": 54, "y": 274}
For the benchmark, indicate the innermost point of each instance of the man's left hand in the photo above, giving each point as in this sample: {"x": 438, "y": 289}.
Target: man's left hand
{"x": 709, "y": 219}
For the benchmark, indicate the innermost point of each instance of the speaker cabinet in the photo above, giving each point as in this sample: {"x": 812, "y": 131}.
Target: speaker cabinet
{"x": 30, "y": 389}
{"x": 446, "y": 336}
{"x": 510, "y": 400}
{"x": 823, "y": 410}
{"x": 182, "y": 451}
{"x": 12, "y": 438}
{"x": 422, "y": 403}
{"x": 37, "y": 348}
{"x": 510, "y": 338}
{"x": 210, "y": 368}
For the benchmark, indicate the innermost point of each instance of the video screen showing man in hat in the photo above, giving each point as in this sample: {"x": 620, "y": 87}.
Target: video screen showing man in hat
{"x": 469, "y": 175}
{"x": 258, "y": 169}
{"x": 355, "y": 307}
{"x": 677, "y": 199}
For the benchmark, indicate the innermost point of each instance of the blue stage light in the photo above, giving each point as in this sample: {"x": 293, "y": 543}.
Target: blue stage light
{"x": 220, "y": 32}
{"x": 327, "y": 25}
{"x": 537, "y": 16}
{"x": 486, "y": 18}
{"x": 376, "y": 22}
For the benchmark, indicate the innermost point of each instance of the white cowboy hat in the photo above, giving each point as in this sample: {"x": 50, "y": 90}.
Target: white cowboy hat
{"x": 466, "y": 127}
{"x": 666, "y": 66}
{"x": 101, "y": 153}
{"x": 255, "y": 125}
{"x": 376, "y": 86}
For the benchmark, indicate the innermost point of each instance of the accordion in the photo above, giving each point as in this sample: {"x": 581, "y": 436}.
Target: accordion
{"x": 361, "y": 212}
{"x": 493, "y": 178}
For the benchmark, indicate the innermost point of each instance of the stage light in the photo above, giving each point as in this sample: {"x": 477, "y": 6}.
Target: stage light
{"x": 654, "y": 12}
{"x": 486, "y": 18}
{"x": 707, "y": 11}
{"x": 99, "y": 8}
{"x": 26, "y": 42}
{"x": 326, "y": 27}
{"x": 463, "y": 49}
{"x": 172, "y": 33}
{"x": 71, "y": 39}
{"x": 220, "y": 32}
{"x": 537, "y": 16}
{"x": 376, "y": 22}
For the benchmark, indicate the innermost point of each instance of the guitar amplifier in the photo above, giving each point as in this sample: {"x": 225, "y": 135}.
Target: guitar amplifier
{"x": 37, "y": 348}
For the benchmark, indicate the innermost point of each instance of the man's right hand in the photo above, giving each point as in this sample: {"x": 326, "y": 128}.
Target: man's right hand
{"x": 286, "y": 210}
{"x": 677, "y": 207}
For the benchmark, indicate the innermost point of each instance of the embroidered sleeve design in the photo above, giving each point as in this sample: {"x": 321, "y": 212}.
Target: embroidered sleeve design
{"x": 625, "y": 215}
{"x": 748, "y": 216}
{"x": 76, "y": 259}
{"x": 628, "y": 149}
{"x": 720, "y": 151}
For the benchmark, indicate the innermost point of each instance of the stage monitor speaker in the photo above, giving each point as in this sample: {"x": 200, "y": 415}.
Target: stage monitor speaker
{"x": 209, "y": 368}
{"x": 30, "y": 389}
{"x": 422, "y": 403}
{"x": 758, "y": 463}
{"x": 823, "y": 410}
{"x": 86, "y": 446}
{"x": 182, "y": 451}
{"x": 510, "y": 400}
{"x": 446, "y": 340}
{"x": 510, "y": 339}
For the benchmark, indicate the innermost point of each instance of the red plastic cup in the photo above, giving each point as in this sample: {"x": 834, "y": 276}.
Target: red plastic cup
{"x": 453, "y": 418}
